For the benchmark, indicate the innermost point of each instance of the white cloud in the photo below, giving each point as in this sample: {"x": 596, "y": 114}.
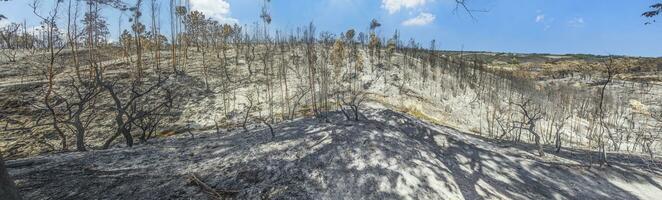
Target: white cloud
{"x": 576, "y": 22}
{"x": 216, "y": 9}
{"x": 420, "y": 20}
{"x": 547, "y": 27}
{"x": 540, "y": 18}
{"x": 393, "y": 6}
{"x": 544, "y": 20}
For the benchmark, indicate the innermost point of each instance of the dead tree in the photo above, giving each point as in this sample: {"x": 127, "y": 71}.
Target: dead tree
{"x": 654, "y": 11}
{"x": 237, "y": 41}
{"x": 126, "y": 99}
{"x": 251, "y": 107}
{"x": 173, "y": 37}
{"x": 531, "y": 114}
{"x": 82, "y": 89}
{"x": 354, "y": 101}
{"x": 266, "y": 122}
{"x": 311, "y": 56}
{"x": 73, "y": 34}
{"x": 226, "y": 31}
{"x": 182, "y": 37}
{"x": 156, "y": 35}
{"x": 151, "y": 112}
{"x": 249, "y": 55}
{"x": 52, "y": 39}
{"x": 267, "y": 63}
{"x": 559, "y": 125}
{"x": 248, "y": 108}
{"x": 9, "y": 36}
{"x": 138, "y": 30}
{"x": 562, "y": 111}
{"x": 611, "y": 71}
{"x": 78, "y": 110}
{"x": 282, "y": 74}
{"x": 95, "y": 26}
{"x": 503, "y": 117}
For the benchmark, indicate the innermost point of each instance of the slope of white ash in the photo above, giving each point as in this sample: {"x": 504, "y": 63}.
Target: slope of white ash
{"x": 386, "y": 155}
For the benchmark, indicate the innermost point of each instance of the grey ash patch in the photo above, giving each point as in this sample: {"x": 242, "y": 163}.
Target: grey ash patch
{"x": 389, "y": 156}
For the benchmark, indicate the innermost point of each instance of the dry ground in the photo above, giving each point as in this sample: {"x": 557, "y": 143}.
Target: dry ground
{"x": 388, "y": 156}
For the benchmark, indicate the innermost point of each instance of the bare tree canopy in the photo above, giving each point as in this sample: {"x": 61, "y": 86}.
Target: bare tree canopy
{"x": 1, "y": 15}
{"x": 655, "y": 11}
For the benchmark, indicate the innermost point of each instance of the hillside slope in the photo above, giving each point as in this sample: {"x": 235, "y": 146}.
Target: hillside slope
{"x": 388, "y": 156}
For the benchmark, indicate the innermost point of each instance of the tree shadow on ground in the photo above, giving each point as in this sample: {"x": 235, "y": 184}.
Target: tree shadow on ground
{"x": 356, "y": 159}
{"x": 388, "y": 156}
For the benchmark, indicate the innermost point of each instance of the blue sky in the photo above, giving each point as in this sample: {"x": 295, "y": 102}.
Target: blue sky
{"x": 527, "y": 26}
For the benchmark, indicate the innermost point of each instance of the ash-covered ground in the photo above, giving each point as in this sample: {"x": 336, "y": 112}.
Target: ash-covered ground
{"x": 387, "y": 155}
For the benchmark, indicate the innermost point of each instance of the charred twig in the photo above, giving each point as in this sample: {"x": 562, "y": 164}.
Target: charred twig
{"x": 266, "y": 122}
{"x": 213, "y": 193}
